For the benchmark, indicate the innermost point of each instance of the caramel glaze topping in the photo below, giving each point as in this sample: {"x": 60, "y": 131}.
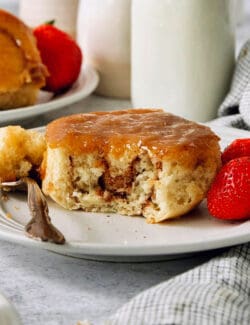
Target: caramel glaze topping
{"x": 156, "y": 131}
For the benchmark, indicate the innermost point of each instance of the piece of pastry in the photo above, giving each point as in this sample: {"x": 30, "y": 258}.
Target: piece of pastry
{"x": 134, "y": 162}
{"x": 22, "y": 73}
{"x": 20, "y": 152}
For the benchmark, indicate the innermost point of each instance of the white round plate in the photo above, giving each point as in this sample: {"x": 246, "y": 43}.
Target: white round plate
{"x": 8, "y": 315}
{"x": 83, "y": 87}
{"x": 122, "y": 238}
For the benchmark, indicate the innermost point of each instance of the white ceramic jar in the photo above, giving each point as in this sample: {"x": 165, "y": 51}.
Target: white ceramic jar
{"x": 37, "y": 12}
{"x": 103, "y": 31}
{"x": 182, "y": 55}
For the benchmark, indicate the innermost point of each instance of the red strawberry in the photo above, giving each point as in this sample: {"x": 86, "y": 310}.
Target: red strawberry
{"x": 62, "y": 56}
{"x": 238, "y": 148}
{"x": 229, "y": 195}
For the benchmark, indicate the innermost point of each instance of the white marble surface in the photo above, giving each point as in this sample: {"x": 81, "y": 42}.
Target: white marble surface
{"x": 49, "y": 289}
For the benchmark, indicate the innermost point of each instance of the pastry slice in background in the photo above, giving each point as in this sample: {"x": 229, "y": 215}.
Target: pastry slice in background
{"x": 22, "y": 72}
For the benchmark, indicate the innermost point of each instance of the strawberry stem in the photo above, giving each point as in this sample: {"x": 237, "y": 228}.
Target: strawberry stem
{"x": 50, "y": 22}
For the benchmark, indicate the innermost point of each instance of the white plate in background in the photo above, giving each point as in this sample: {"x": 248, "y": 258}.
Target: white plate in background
{"x": 83, "y": 87}
{"x": 121, "y": 238}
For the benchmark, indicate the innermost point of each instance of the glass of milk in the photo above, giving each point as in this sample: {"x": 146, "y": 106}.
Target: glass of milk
{"x": 103, "y": 32}
{"x": 183, "y": 55}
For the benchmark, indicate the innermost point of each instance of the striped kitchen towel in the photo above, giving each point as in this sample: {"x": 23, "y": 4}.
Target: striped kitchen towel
{"x": 236, "y": 105}
{"x": 217, "y": 292}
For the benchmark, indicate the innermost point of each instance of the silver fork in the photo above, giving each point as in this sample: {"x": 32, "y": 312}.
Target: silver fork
{"x": 5, "y": 220}
{"x": 40, "y": 225}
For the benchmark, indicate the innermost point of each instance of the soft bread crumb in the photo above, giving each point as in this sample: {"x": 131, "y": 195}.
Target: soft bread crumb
{"x": 85, "y": 182}
{"x": 25, "y": 96}
{"x": 20, "y": 151}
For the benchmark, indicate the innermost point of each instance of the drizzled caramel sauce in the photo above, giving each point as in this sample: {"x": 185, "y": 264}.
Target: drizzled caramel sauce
{"x": 156, "y": 131}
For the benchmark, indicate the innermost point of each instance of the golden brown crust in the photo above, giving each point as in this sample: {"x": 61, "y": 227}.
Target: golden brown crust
{"x": 20, "y": 61}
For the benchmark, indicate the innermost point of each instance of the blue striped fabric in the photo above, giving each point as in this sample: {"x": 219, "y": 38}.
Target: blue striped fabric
{"x": 217, "y": 292}
{"x": 238, "y": 99}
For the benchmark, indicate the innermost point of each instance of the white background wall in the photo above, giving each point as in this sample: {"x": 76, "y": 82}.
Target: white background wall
{"x": 243, "y": 30}
{"x": 12, "y": 5}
